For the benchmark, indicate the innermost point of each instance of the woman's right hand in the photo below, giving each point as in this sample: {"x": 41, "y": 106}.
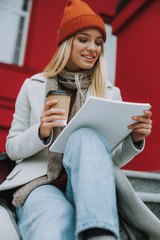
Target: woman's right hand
{"x": 47, "y": 118}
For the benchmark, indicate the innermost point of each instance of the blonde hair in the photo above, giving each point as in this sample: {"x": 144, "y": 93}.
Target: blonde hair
{"x": 60, "y": 59}
{"x": 98, "y": 76}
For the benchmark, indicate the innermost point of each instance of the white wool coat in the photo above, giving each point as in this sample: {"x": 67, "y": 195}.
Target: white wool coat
{"x": 23, "y": 142}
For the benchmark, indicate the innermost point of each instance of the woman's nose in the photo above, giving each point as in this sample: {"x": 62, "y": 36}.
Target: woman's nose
{"x": 91, "y": 46}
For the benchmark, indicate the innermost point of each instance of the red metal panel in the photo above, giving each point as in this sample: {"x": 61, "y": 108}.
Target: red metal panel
{"x": 126, "y": 14}
{"x": 137, "y": 74}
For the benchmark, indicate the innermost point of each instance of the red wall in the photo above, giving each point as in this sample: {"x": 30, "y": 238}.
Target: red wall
{"x": 137, "y": 62}
{"x": 138, "y": 69}
{"x": 11, "y": 81}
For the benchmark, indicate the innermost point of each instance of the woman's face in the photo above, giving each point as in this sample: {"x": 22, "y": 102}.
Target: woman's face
{"x": 86, "y": 49}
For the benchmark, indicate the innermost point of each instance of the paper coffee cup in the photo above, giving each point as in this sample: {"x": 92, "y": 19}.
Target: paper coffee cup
{"x": 64, "y": 99}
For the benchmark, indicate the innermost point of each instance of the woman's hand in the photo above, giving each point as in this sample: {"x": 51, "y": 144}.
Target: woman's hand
{"x": 142, "y": 127}
{"x": 47, "y": 118}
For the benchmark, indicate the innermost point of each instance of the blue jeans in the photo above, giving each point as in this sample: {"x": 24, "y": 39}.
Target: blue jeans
{"x": 89, "y": 200}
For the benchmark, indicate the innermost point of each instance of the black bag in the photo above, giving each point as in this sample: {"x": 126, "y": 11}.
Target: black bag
{"x": 6, "y": 166}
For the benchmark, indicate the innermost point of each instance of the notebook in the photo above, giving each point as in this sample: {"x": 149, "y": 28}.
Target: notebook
{"x": 108, "y": 117}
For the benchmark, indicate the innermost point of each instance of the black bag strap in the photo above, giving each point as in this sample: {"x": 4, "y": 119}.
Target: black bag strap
{"x": 3, "y": 156}
{"x": 6, "y": 160}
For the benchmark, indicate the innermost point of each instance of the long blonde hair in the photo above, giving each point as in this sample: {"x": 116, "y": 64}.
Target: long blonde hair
{"x": 60, "y": 59}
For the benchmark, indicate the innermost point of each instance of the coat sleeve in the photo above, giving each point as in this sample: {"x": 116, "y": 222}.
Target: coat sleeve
{"x": 126, "y": 151}
{"x": 23, "y": 140}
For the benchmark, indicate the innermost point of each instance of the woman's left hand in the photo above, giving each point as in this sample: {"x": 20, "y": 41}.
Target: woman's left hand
{"x": 142, "y": 127}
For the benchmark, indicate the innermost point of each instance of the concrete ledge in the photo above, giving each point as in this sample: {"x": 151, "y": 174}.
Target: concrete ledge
{"x": 144, "y": 175}
{"x": 149, "y": 197}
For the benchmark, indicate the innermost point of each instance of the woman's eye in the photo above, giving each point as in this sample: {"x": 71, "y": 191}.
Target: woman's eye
{"x": 82, "y": 40}
{"x": 99, "y": 43}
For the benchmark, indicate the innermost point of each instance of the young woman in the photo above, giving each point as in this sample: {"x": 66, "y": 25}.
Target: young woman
{"x": 88, "y": 208}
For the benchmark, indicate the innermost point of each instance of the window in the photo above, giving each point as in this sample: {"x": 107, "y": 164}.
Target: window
{"x": 110, "y": 52}
{"x": 14, "y": 19}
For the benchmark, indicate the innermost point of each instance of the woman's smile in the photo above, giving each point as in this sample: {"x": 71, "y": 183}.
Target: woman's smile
{"x": 89, "y": 57}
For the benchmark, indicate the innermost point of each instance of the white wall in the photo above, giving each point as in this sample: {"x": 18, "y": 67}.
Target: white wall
{"x": 110, "y": 51}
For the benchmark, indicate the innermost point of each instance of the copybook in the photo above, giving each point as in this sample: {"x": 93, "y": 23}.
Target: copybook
{"x": 108, "y": 117}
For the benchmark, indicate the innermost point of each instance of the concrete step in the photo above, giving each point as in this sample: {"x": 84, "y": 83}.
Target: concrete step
{"x": 144, "y": 181}
{"x": 152, "y": 200}
{"x": 147, "y": 186}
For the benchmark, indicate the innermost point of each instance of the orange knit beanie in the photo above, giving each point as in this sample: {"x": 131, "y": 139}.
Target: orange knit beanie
{"x": 77, "y": 16}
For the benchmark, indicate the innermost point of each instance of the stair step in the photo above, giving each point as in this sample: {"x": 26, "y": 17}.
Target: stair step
{"x": 144, "y": 181}
{"x": 149, "y": 197}
{"x": 152, "y": 201}
{"x": 144, "y": 175}
{"x": 147, "y": 186}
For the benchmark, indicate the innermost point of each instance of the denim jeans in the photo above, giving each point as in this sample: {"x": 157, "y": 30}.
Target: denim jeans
{"x": 89, "y": 200}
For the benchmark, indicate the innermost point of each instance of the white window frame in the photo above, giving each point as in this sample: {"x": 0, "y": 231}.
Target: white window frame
{"x": 110, "y": 53}
{"x": 21, "y": 13}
